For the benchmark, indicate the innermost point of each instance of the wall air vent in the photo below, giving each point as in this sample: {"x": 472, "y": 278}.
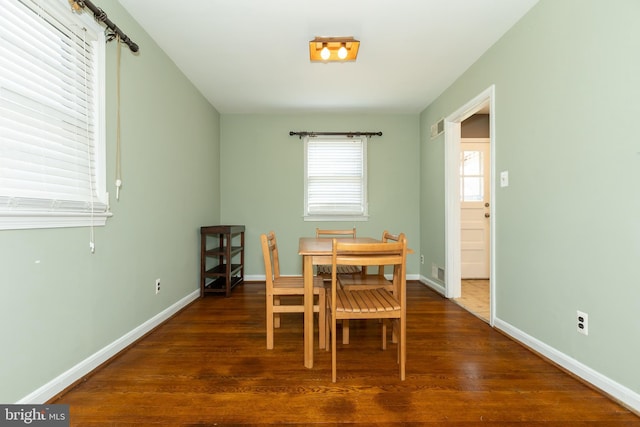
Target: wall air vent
{"x": 437, "y": 128}
{"x": 440, "y": 273}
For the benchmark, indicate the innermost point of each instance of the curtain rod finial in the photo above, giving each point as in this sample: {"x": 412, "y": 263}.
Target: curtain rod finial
{"x": 76, "y": 5}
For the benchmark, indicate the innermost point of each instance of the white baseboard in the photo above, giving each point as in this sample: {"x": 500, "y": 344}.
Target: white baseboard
{"x": 439, "y": 288}
{"x": 616, "y": 391}
{"x": 66, "y": 379}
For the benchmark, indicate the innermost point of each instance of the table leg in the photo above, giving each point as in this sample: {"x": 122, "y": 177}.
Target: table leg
{"x": 307, "y": 270}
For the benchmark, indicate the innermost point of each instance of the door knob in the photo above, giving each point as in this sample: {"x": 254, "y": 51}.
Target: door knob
{"x": 487, "y": 215}
{"x": 486, "y": 205}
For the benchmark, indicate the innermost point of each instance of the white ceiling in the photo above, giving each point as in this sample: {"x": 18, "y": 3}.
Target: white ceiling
{"x": 252, "y": 56}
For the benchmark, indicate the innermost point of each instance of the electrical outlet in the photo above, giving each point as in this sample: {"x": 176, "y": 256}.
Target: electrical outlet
{"x": 582, "y": 320}
{"x": 421, "y": 259}
{"x": 157, "y": 286}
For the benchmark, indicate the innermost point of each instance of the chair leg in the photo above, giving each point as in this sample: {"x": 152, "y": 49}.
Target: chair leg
{"x": 322, "y": 322}
{"x": 402, "y": 345}
{"x": 394, "y": 332}
{"x": 269, "y": 322}
{"x": 327, "y": 330}
{"x": 394, "y": 324}
{"x": 276, "y": 322}
{"x": 345, "y": 331}
{"x": 384, "y": 335}
{"x": 334, "y": 373}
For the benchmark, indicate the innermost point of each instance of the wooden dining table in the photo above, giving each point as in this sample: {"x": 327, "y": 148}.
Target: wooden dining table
{"x": 316, "y": 251}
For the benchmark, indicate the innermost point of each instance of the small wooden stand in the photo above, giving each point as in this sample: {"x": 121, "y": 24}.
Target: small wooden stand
{"x": 218, "y": 273}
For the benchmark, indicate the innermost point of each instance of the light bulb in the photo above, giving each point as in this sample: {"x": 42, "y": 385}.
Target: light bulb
{"x": 324, "y": 53}
{"x": 342, "y": 52}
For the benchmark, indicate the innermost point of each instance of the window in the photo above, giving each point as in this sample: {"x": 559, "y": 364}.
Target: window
{"x": 335, "y": 179}
{"x": 471, "y": 176}
{"x": 52, "y": 154}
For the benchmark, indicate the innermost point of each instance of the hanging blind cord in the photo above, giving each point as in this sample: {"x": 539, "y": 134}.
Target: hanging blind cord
{"x": 118, "y": 165}
{"x": 92, "y": 244}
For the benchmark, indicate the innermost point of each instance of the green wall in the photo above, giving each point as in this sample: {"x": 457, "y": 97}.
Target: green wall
{"x": 59, "y": 304}
{"x": 568, "y": 226}
{"x": 261, "y": 177}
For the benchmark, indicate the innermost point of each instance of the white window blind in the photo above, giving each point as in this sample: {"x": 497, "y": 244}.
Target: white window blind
{"x": 335, "y": 178}
{"x": 52, "y": 156}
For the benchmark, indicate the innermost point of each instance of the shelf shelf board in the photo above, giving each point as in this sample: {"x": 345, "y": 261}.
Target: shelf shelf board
{"x": 216, "y": 252}
{"x": 219, "y": 285}
{"x": 221, "y": 270}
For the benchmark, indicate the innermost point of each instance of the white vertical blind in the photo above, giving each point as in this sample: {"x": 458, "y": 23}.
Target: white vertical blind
{"x": 335, "y": 176}
{"x": 48, "y": 110}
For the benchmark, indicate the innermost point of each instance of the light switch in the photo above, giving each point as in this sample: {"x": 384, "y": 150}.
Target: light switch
{"x": 504, "y": 179}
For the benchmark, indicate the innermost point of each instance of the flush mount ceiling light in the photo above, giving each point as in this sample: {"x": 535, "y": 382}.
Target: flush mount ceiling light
{"x": 326, "y": 49}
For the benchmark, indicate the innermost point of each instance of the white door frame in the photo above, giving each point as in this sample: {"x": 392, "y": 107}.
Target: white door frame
{"x": 452, "y": 135}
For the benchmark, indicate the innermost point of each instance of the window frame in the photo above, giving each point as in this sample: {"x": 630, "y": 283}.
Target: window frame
{"x": 363, "y": 213}
{"x": 42, "y": 212}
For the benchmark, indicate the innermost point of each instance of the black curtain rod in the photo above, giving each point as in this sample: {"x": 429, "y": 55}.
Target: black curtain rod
{"x": 348, "y": 134}
{"x": 101, "y": 16}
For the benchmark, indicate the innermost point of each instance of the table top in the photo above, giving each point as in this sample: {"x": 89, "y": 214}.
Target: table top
{"x": 214, "y": 229}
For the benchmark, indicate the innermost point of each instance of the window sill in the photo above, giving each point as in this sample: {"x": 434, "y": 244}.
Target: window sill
{"x": 359, "y": 218}
{"x": 32, "y": 220}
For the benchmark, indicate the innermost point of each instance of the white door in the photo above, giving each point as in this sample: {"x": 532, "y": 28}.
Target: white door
{"x": 474, "y": 207}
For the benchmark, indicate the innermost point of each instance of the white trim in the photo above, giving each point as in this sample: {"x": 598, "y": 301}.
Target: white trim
{"x": 23, "y": 220}
{"x": 438, "y": 287}
{"x": 615, "y": 390}
{"x": 66, "y": 379}
{"x": 472, "y": 140}
{"x": 452, "y": 208}
{"x": 452, "y": 138}
{"x": 335, "y": 218}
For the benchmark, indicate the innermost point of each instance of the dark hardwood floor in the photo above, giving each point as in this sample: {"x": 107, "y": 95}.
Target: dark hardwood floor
{"x": 209, "y": 366}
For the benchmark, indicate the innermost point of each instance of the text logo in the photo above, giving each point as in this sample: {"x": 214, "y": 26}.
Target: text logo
{"x": 34, "y": 415}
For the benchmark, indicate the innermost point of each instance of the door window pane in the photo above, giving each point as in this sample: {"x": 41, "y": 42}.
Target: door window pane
{"x": 471, "y": 176}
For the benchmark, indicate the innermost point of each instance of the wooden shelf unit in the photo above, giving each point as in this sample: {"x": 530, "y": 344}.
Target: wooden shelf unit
{"x": 222, "y": 265}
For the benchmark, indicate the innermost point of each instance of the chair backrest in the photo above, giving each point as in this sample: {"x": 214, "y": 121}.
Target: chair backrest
{"x": 392, "y": 252}
{"x": 386, "y": 237}
{"x": 342, "y": 233}
{"x": 270, "y": 255}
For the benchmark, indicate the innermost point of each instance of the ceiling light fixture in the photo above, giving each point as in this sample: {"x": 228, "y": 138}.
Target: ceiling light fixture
{"x": 327, "y": 49}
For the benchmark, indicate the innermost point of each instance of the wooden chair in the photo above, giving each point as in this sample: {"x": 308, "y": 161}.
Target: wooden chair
{"x": 278, "y": 286}
{"x": 324, "y": 271}
{"x": 368, "y": 281}
{"x": 378, "y": 303}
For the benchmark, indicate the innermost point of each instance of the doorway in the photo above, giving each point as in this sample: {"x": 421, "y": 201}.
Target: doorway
{"x": 472, "y": 246}
{"x": 475, "y": 208}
